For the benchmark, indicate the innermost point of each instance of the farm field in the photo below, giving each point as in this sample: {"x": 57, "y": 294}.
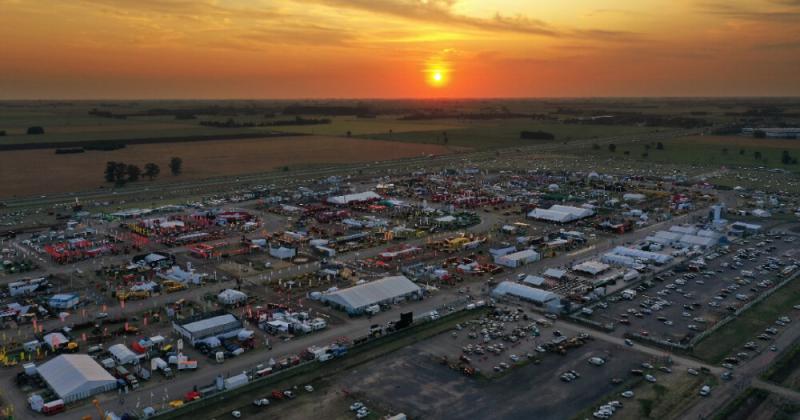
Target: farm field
{"x": 747, "y": 326}
{"x": 34, "y": 172}
{"x": 710, "y": 151}
{"x": 506, "y": 133}
{"x": 383, "y": 125}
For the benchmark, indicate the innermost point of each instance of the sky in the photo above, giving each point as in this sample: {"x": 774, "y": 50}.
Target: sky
{"x": 160, "y": 49}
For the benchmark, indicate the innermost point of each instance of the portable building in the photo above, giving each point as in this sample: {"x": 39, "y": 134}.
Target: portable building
{"x": 63, "y": 301}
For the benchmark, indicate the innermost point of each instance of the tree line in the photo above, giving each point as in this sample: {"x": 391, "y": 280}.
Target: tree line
{"x": 121, "y": 173}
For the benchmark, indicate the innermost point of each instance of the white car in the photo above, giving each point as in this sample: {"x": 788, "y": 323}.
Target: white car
{"x": 236, "y": 414}
{"x": 627, "y": 394}
{"x": 705, "y": 390}
{"x": 597, "y": 361}
{"x": 650, "y": 378}
{"x": 356, "y": 406}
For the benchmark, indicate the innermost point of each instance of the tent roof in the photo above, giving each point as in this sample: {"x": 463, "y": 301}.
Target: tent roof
{"x": 204, "y": 324}
{"x": 69, "y": 373}
{"x": 373, "y": 292}
{"x": 523, "y": 291}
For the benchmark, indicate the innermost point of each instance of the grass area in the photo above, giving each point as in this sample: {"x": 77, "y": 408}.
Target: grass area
{"x": 747, "y": 326}
{"x": 786, "y": 370}
{"x": 505, "y": 133}
{"x": 665, "y": 399}
{"x": 662, "y": 400}
{"x": 383, "y": 125}
{"x": 711, "y": 151}
{"x": 757, "y": 402}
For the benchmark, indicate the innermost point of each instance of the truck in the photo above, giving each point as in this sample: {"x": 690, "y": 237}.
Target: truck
{"x": 53, "y": 407}
{"x": 236, "y": 381}
{"x": 158, "y": 363}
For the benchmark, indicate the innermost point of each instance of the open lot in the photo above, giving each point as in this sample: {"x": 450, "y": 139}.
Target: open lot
{"x": 23, "y": 172}
{"x": 415, "y": 382}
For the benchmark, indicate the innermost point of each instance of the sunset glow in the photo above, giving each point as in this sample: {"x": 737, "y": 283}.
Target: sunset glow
{"x": 355, "y": 48}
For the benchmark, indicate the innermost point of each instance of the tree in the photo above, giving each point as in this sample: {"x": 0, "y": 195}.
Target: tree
{"x": 133, "y": 172}
{"x": 595, "y": 146}
{"x": 757, "y": 155}
{"x": 36, "y": 130}
{"x": 627, "y": 152}
{"x": 724, "y": 150}
{"x": 741, "y": 152}
{"x": 646, "y": 147}
{"x": 349, "y": 134}
{"x": 444, "y": 137}
{"x": 2, "y": 132}
{"x": 645, "y": 155}
{"x": 151, "y": 170}
{"x": 659, "y": 146}
{"x": 612, "y": 147}
{"x": 786, "y": 158}
{"x": 759, "y": 134}
{"x": 109, "y": 172}
{"x": 175, "y": 165}
{"x": 120, "y": 171}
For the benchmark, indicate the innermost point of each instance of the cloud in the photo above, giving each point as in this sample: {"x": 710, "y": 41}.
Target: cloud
{"x": 790, "y": 15}
{"x": 440, "y": 12}
{"x": 780, "y": 46}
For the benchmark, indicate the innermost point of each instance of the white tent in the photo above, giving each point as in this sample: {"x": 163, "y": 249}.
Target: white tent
{"x": 354, "y": 198}
{"x": 357, "y": 298}
{"x": 76, "y": 376}
{"x": 231, "y": 297}
{"x": 122, "y": 354}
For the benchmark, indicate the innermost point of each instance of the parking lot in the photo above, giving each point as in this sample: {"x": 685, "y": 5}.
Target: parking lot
{"x": 415, "y": 381}
{"x": 676, "y": 305}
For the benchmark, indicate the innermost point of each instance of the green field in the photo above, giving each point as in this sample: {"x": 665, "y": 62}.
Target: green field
{"x": 505, "y": 133}
{"x": 746, "y": 327}
{"x": 710, "y": 151}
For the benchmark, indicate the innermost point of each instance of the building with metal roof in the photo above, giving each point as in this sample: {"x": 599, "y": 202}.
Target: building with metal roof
{"x": 356, "y": 299}
{"x": 539, "y": 297}
{"x": 218, "y": 324}
{"x": 76, "y": 376}
{"x": 639, "y": 254}
{"x": 591, "y": 267}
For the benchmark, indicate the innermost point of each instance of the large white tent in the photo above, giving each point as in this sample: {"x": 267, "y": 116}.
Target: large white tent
{"x": 354, "y": 198}
{"x": 560, "y": 214}
{"x": 357, "y": 298}
{"x": 76, "y": 376}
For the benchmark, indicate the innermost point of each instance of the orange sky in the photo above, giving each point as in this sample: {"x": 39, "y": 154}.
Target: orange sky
{"x": 392, "y": 48}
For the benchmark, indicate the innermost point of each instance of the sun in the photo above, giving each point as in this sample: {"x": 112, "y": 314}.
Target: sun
{"x": 437, "y": 76}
